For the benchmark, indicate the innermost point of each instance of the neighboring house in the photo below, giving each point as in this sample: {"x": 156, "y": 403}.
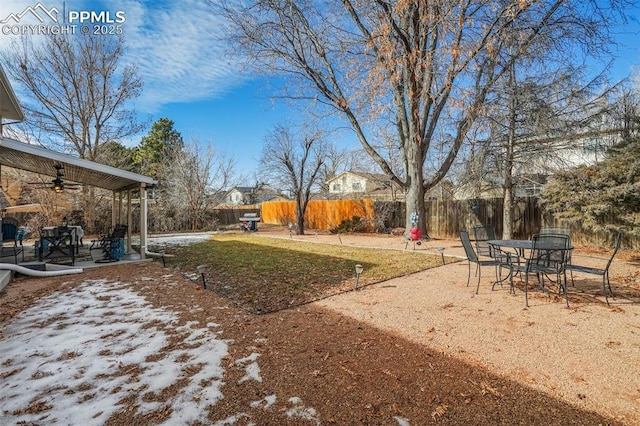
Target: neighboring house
{"x": 240, "y": 195}
{"x": 487, "y": 188}
{"x": 588, "y": 150}
{"x": 243, "y": 195}
{"x": 374, "y": 185}
{"x": 534, "y": 171}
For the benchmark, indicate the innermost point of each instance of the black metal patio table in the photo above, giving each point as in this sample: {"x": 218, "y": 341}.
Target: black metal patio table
{"x": 521, "y": 246}
{"x": 545, "y": 248}
{"x": 60, "y": 243}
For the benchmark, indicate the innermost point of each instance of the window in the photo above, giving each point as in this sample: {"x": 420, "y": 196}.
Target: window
{"x": 356, "y": 186}
{"x": 336, "y": 187}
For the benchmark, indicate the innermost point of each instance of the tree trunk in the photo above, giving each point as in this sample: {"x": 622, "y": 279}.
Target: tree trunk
{"x": 507, "y": 210}
{"x": 299, "y": 218}
{"x": 414, "y": 193}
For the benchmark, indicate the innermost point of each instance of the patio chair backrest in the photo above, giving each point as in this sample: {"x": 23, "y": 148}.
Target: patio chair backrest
{"x": 9, "y": 232}
{"x": 482, "y": 233}
{"x": 120, "y": 231}
{"x": 468, "y": 248}
{"x": 10, "y": 219}
{"x": 557, "y": 257}
{"x": 615, "y": 250}
{"x": 556, "y": 231}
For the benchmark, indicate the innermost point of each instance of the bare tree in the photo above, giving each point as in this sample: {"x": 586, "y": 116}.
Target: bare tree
{"x": 335, "y": 161}
{"x": 543, "y": 117}
{"x": 198, "y": 177}
{"x": 421, "y": 68}
{"x": 626, "y": 112}
{"x": 294, "y": 161}
{"x": 78, "y": 91}
{"x": 536, "y": 125}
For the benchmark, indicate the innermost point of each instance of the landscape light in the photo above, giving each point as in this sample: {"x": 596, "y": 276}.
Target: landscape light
{"x": 359, "y": 269}
{"x": 202, "y": 269}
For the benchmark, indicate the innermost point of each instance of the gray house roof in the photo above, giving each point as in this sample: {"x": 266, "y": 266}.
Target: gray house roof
{"x": 243, "y": 189}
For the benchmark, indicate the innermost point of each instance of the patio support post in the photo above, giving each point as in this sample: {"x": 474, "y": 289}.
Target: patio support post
{"x": 120, "y": 214}
{"x": 129, "y": 221}
{"x": 113, "y": 210}
{"x": 143, "y": 221}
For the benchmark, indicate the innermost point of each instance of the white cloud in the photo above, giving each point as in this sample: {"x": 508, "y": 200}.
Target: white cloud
{"x": 177, "y": 47}
{"x": 179, "y": 51}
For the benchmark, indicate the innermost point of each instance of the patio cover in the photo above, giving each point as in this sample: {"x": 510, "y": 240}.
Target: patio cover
{"x": 36, "y": 159}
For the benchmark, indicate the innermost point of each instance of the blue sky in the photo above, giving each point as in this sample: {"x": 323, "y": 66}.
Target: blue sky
{"x": 188, "y": 75}
{"x": 190, "y": 79}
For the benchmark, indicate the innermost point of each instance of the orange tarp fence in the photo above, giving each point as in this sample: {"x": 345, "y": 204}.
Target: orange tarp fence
{"x": 320, "y": 214}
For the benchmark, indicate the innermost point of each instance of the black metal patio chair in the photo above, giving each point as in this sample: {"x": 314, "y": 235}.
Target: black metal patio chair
{"x": 601, "y": 271}
{"x": 11, "y": 239}
{"x": 548, "y": 256}
{"x": 110, "y": 244}
{"x": 472, "y": 257}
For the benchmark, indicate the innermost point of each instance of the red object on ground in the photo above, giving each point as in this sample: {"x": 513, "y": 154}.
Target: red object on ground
{"x": 415, "y": 234}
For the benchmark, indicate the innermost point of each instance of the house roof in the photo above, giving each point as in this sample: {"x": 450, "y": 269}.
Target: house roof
{"x": 242, "y": 189}
{"x": 36, "y": 159}
{"x": 378, "y": 177}
{"x": 9, "y": 106}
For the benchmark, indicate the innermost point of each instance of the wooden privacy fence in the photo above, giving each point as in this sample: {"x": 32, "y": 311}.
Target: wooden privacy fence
{"x": 231, "y": 215}
{"x": 320, "y": 214}
{"x": 445, "y": 218}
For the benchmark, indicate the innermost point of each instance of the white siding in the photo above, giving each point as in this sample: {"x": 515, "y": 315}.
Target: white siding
{"x": 347, "y": 183}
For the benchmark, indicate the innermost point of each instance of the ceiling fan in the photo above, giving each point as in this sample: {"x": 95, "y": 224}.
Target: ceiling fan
{"x": 57, "y": 184}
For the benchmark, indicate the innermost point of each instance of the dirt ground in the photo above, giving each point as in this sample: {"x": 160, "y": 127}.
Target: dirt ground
{"x": 422, "y": 349}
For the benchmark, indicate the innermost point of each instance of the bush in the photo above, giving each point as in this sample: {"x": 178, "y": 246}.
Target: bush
{"x": 385, "y": 216}
{"x": 355, "y": 224}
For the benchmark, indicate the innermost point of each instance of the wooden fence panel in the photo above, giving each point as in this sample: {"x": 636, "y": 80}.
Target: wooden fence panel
{"x": 279, "y": 212}
{"x": 582, "y": 237}
{"x": 445, "y": 218}
{"x": 320, "y": 214}
{"x": 388, "y": 215}
{"x": 231, "y": 216}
